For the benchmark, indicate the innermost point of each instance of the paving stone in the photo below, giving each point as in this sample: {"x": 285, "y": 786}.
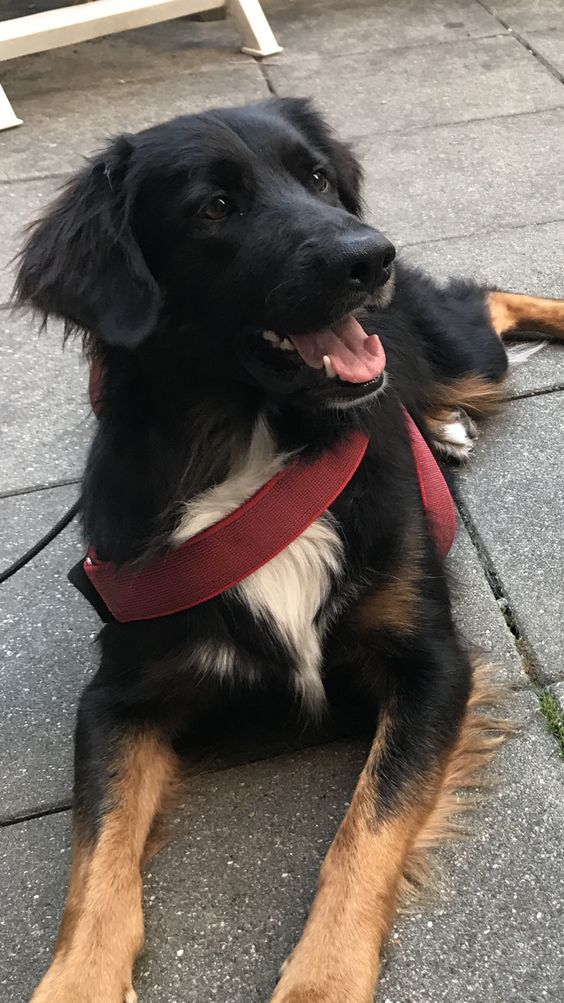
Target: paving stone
{"x": 456, "y": 180}
{"x": 496, "y": 931}
{"x": 514, "y": 493}
{"x": 157, "y": 51}
{"x": 478, "y": 615}
{"x": 550, "y": 45}
{"x": 493, "y": 76}
{"x": 521, "y": 259}
{"x": 356, "y": 26}
{"x": 527, "y": 15}
{"x": 46, "y": 420}
{"x": 225, "y": 901}
{"x": 60, "y": 132}
{"x": 20, "y": 204}
{"x": 46, "y": 654}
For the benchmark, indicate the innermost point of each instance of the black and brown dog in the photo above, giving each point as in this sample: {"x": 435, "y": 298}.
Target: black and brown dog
{"x": 219, "y": 270}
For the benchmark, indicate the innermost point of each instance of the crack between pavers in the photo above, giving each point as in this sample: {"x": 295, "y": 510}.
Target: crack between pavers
{"x": 206, "y": 767}
{"x": 26, "y": 178}
{"x": 499, "y": 593}
{"x": 540, "y": 392}
{"x": 554, "y": 719}
{"x": 33, "y": 488}
{"x": 524, "y": 42}
{"x": 269, "y": 83}
{"x": 298, "y": 59}
{"x": 30, "y": 816}
{"x": 427, "y": 127}
{"x": 351, "y": 139}
{"x": 467, "y": 235}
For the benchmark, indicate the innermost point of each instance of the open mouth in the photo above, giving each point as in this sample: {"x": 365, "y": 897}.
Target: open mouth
{"x": 342, "y": 353}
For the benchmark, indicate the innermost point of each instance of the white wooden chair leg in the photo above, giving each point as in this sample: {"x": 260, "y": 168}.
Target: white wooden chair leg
{"x": 8, "y": 117}
{"x": 258, "y": 37}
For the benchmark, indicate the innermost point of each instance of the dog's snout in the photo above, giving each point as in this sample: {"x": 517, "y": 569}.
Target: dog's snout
{"x": 364, "y": 261}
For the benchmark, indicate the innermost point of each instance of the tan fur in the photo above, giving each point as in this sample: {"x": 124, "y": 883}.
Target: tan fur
{"x": 479, "y": 738}
{"x": 474, "y": 394}
{"x": 102, "y": 927}
{"x": 516, "y": 312}
{"x": 371, "y": 865}
{"x": 392, "y": 606}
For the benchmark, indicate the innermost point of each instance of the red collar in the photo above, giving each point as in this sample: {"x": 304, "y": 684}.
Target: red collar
{"x": 229, "y": 551}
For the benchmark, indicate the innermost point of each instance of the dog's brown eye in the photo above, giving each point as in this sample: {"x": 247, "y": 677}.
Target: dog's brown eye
{"x": 215, "y": 208}
{"x": 319, "y": 180}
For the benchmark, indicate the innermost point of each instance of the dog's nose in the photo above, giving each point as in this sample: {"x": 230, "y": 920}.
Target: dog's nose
{"x": 364, "y": 260}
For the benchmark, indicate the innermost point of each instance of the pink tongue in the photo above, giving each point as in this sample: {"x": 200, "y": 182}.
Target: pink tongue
{"x": 355, "y": 356}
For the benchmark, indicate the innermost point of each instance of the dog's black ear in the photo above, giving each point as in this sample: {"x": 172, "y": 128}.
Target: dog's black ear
{"x": 82, "y": 263}
{"x": 301, "y": 112}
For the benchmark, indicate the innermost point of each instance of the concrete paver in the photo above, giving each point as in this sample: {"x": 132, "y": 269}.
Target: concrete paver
{"x": 20, "y": 203}
{"x": 46, "y": 420}
{"x": 457, "y": 180}
{"x": 356, "y": 26}
{"x": 60, "y": 132}
{"x": 514, "y": 494}
{"x": 549, "y": 45}
{"x": 46, "y": 654}
{"x": 465, "y": 80}
{"x": 478, "y": 615}
{"x": 527, "y": 16}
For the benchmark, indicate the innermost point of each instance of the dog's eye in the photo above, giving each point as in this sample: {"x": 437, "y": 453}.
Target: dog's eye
{"x": 319, "y": 180}
{"x": 217, "y": 207}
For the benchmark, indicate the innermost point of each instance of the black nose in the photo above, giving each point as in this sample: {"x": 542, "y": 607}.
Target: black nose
{"x": 363, "y": 260}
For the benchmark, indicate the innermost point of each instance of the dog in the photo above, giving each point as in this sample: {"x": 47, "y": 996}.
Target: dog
{"x": 241, "y": 314}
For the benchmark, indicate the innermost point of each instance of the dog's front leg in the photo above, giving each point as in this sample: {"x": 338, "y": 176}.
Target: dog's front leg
{"x": 338, "y": 957}
{"x": 123, "y": 771}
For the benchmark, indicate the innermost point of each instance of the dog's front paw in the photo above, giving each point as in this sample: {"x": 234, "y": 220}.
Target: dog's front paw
{"x": 57, "y": 987}
{"x": 454, "y": 435}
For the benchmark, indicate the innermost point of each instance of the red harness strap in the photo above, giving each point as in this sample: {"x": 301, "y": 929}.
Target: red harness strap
{"x": 229, "y": 551}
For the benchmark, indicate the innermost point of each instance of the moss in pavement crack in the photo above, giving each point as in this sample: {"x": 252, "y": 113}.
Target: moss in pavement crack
{"x": 553, "y": 716}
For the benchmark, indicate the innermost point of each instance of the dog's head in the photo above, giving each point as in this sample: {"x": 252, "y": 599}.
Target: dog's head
{"x": 233, "y": 237}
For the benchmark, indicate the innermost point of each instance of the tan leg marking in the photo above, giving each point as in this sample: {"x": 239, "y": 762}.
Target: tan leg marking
{"x": 516, "y": 312}
{"x": 102, "y": 927}
{"x": 372, "y": 864}
{"x": 393, "y": 605}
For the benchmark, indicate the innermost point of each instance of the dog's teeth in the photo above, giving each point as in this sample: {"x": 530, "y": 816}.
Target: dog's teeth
{"x": 287, "y": 346}
{"x": 272, "y": 337}
{"x": 329, "y": 371}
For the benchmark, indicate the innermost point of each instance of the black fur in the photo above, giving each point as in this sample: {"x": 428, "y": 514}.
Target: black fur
{"x": 171, "y": 303}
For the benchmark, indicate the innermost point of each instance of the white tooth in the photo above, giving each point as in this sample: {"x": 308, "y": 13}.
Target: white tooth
{"x": 272, "y": 337}
{"x": 329, "y": 371}
{"x": 287, "y": 346}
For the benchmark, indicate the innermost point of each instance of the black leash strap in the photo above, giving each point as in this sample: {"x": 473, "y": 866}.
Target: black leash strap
{"x": 40, "y": 545}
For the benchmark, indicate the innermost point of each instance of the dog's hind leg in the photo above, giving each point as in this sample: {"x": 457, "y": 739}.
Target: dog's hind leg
{"x": 513, "y": 312}
{"x": 455, "y": 400}
{"x": 425, "y": 747}
{"x": 123, "y": 775}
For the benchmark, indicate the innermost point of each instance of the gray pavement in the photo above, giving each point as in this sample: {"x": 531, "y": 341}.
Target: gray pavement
{"x": 457, "y": 110}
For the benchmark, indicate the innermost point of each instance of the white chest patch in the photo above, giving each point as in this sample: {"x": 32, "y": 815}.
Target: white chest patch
{"x": 289, "y": 591}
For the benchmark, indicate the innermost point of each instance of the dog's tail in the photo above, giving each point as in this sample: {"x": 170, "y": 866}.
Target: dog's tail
{"x": 515, "y": 313}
